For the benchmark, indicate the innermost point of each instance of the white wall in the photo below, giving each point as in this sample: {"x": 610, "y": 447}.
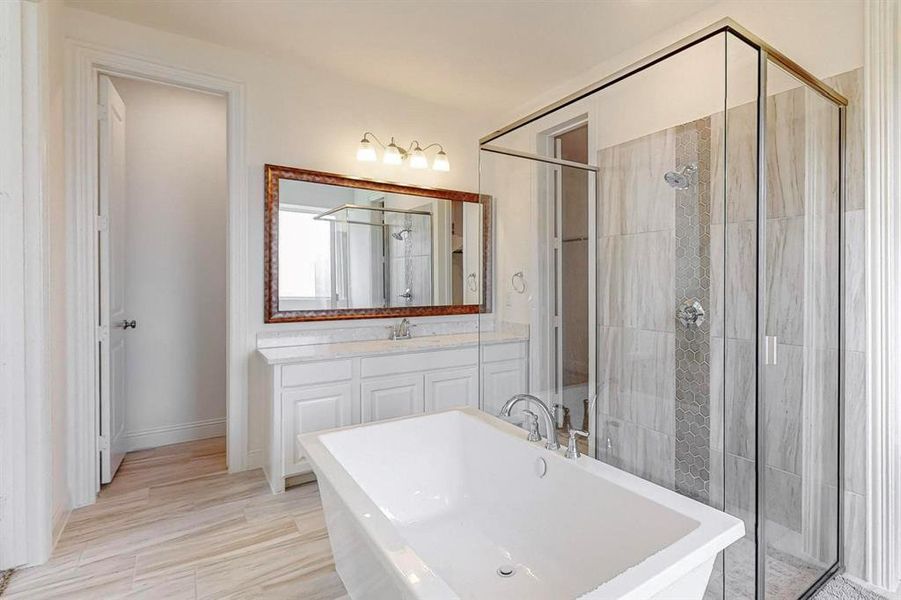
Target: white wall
{"x": 826, "y": 38}
{"x": 299, "y": 116}
{"x": 55, "y": 198}
{"x": 176, "y": 210}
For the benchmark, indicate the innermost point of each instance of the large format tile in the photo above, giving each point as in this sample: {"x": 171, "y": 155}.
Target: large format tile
{"x": 785, "y": 154}
{"x": 785, "y": 279}
{"x": 784, "y": 399}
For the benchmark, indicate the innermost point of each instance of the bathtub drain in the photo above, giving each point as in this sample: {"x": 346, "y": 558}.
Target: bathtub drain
{"x": 506, "y": 571}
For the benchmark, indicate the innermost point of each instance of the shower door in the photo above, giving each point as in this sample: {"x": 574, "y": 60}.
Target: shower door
{"x": 798, "y": 476}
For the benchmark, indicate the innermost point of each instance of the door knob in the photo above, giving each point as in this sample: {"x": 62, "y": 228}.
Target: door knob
{"x": 126, "y": 324}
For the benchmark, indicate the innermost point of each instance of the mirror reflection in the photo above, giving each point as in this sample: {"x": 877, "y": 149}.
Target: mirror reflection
{"x": 353, "y": 248}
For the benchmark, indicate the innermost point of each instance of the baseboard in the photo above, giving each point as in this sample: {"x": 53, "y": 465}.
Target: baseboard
{"x": 174, "y": 434}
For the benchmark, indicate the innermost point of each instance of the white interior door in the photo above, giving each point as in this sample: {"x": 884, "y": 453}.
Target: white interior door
{"x": 113, "y": 324}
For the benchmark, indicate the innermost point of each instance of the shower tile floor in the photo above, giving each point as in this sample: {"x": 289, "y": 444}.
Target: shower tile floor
{"x": 787, "y": 576}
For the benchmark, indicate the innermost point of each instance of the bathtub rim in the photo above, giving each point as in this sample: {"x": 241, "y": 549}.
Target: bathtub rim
{"x": 715, "y": 531}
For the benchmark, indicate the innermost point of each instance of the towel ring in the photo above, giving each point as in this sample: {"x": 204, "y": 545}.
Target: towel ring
{"x": 518, "y": 281}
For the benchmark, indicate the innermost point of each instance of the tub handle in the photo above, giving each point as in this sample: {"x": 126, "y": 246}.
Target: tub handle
{"x": 534, "y": 434}
{"x": 572, "y": 449}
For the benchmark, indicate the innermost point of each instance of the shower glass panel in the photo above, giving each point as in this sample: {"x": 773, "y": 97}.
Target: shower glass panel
{"x": 802, "y": 320}
{"x": 708, "y": 285}
{"x": 544, "y": 225}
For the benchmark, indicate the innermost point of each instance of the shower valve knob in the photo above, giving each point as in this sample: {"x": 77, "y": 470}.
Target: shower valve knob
{"x": 691, "y": 314}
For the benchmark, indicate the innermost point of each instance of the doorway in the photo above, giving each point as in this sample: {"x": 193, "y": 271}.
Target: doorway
{"x": 571, "y": 301}
{"x": 162, "y": 222}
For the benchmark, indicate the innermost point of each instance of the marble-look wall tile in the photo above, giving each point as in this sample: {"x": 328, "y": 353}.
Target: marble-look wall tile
{"x": 718, "y": 275}
{"x": 740, "y": 313}
{"x": 636, "y": 376}
{"x": 648, "y": 378}
{"x": 784, "y": 397}
{"x": 855, "y": 281}
{"x": 783, "y": 498}
{"x": 785, "y": 153}
{"x": 634, "y": 198}
{"x": 740, "y": 487}
{"x": 785, "y": 279}
{"x": 717, "y": 476}
{"x": 855, "y": 530}
{"x": 642, "y": 452}
{"x": 733, "y": 185}
{"x": 717, "y": 393}
{"x": 850, "y": 85}
{"x": 648, "y": 271}
{"x": 610, "y": 281}
{"x": 611, "y": 399}
{"x": 855, "y": 422}
{"x": 741, "y": 403}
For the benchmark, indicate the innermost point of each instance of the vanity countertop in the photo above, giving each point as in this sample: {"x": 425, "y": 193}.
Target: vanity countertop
{"x": 314, "y": 352}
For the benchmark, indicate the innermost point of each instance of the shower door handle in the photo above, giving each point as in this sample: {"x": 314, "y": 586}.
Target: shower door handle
{"x": 771, "y": 344}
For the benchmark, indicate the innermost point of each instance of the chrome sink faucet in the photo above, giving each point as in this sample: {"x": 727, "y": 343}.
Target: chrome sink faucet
{"x": 545, "y": 412}
{"x": 402, "y": 331}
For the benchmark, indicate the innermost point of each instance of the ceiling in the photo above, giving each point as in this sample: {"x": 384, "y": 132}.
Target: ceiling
{"x": 489, "y": 56}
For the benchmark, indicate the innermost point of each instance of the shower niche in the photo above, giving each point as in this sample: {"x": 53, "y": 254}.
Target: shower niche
{"x": 682, "y": 268}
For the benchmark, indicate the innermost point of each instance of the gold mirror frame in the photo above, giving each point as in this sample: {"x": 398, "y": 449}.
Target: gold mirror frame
{"x": 272, "y": 314}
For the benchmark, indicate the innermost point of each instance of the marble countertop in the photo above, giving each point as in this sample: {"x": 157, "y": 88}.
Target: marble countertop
{"x": 314, "y": 352}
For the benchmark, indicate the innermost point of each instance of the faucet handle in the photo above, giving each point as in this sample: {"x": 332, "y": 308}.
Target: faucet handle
{"x": 572, "y": 449}
{"x": 534, "y": 434}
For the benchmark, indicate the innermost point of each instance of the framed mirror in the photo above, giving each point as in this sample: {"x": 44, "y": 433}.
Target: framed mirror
{"x": 339, "y": 247}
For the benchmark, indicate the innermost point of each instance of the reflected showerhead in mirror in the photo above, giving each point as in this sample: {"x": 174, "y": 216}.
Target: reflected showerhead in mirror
{"x": 399, "y": 235}
{"x": 681, "y": 179}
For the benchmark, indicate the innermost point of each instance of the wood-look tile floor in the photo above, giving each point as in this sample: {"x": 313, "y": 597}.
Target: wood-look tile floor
{"x": 175, "y": 525}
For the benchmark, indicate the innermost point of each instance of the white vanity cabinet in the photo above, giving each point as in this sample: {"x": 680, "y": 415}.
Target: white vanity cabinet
{"x": 391, "y": 397}
{"x": 307, "y": 391}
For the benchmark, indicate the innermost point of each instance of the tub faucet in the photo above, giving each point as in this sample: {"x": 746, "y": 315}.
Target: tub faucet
{"x": 542, "y": 408}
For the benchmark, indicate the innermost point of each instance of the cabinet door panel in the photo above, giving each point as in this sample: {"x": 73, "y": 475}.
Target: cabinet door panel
{"x": 391, "y": 397}
{"x": 446, "y": 389}
{"x": 312, "y": 409}
{"x": 500, "y": 381}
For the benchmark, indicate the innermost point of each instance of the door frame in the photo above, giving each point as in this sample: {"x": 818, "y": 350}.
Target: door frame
{"x": 85, "y": 63}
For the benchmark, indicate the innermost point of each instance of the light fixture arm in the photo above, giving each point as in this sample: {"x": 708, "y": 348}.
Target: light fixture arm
{"x": 440, "y": 147}
{"x": 373, "y": 136}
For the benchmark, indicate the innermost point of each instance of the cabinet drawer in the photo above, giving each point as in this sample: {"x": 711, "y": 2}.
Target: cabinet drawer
{"x": 315, "y": 373}
{"x": 499, "y": 352}
{"x": 419, "y": 361}
{"x": 312, "y": 409}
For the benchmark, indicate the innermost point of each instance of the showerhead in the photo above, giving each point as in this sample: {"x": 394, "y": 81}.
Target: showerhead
{"x": 681, "y": 179}
{"x": 399, "y": 235}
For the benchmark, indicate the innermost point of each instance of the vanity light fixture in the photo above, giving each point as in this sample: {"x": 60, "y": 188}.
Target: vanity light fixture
{"x": 395, "y": 155}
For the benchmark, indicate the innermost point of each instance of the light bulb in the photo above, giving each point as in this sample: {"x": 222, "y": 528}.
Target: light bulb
{"x": 418, "y": 159}
{"x": 441, "y": 163}
{"x": 392, "y": 155}
{"x": 365, "y": 151}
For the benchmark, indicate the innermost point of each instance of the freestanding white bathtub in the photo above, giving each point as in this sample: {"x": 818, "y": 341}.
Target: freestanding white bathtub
{"x": 433, "y": 506}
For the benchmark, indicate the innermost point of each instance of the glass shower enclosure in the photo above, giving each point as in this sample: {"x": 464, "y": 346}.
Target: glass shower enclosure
{"x": 671, "y": 240}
